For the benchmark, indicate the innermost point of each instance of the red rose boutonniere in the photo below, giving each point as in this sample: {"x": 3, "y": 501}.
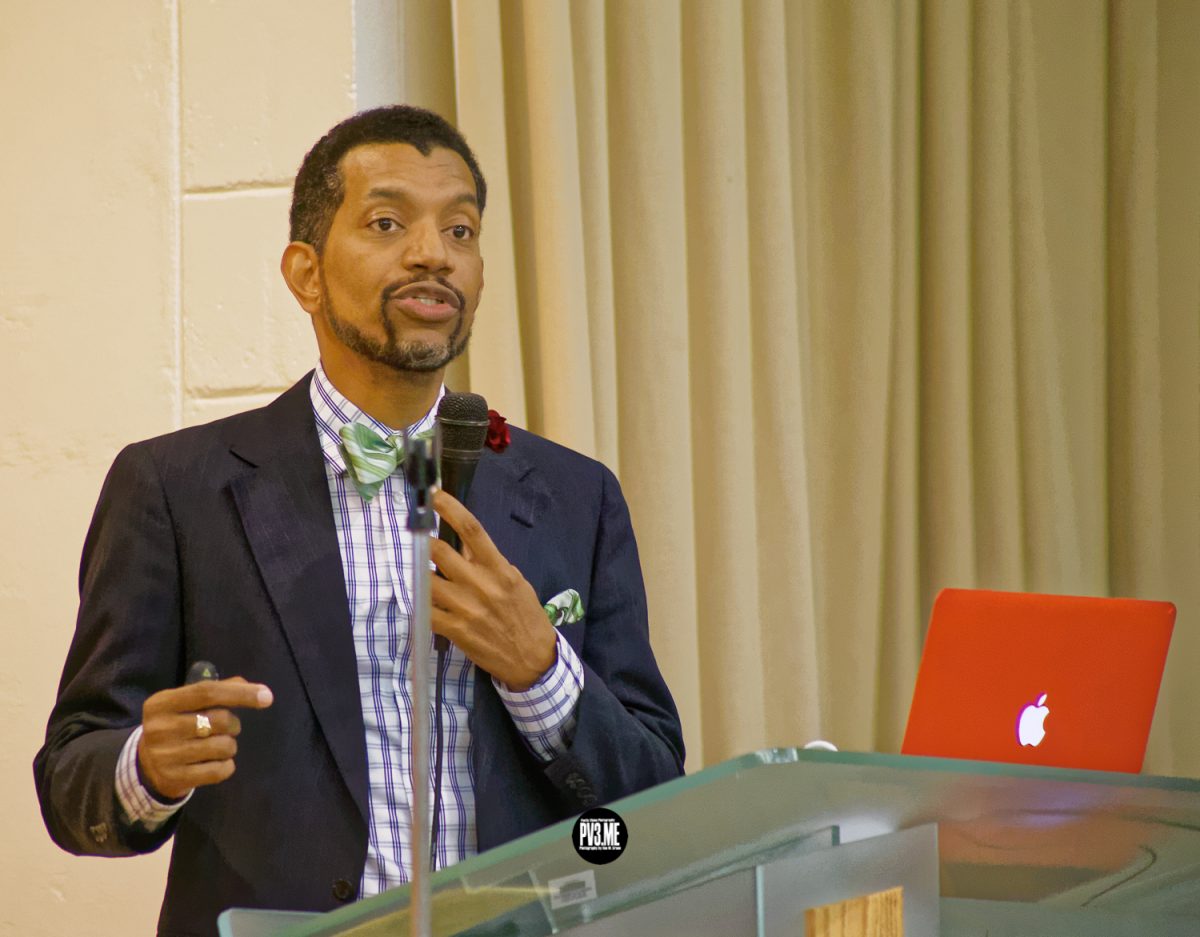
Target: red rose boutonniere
{"x": 498, "y": 436}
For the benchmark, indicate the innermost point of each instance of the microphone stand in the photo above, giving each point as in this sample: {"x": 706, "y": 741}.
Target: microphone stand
{"x": 420, "y": 466}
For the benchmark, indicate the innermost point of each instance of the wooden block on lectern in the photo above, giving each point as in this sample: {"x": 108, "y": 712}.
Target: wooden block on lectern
{"x": 876, "y": 915}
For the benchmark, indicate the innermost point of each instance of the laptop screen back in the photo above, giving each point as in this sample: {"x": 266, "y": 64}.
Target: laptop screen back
{"x": 1039, "y": 679}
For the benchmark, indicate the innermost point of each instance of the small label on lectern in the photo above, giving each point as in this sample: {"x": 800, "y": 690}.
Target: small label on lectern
{"x": 572, "y": 889}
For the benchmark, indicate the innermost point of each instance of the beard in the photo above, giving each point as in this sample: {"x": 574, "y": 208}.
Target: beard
{"x": 418, "y": 357}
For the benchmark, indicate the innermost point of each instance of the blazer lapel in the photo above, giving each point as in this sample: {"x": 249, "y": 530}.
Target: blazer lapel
{"x": 508, "y": 498}
{"x": 288, "y": 518}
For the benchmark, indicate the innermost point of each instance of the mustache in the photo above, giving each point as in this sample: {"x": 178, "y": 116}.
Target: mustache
{"x": 392, "y": 289}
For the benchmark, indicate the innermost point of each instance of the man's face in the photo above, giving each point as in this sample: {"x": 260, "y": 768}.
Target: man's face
{"x": 401, "y": 271}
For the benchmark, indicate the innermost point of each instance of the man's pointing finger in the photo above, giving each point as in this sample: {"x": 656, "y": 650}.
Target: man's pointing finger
{"x": 211, "y": 694}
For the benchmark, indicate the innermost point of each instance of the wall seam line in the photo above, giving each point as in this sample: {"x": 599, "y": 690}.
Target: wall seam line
{"x": 176, "y": 118}
{"x": 198, "y": 193}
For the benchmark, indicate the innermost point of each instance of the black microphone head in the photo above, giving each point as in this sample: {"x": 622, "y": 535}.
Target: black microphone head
{"x": 464, "y": 422}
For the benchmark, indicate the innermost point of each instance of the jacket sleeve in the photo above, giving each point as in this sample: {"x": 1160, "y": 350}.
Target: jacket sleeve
{"x": 127, "y": 645}
{"x": 628, "y": 735}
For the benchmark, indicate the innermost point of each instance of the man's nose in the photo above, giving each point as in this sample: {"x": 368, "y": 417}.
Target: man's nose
{"x": 425, "y": 249}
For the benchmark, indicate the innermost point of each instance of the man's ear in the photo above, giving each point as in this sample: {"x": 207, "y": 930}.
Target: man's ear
{"x": 301, "y": 269}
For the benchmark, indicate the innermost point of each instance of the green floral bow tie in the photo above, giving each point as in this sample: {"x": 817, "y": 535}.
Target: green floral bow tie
{"x": 370, "y": 457}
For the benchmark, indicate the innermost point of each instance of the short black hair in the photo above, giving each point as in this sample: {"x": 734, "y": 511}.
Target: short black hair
{"x": 319, "y": 187}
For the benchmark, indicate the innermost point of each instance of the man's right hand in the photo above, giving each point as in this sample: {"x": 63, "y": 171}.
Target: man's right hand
{"x": 172, "y": 756}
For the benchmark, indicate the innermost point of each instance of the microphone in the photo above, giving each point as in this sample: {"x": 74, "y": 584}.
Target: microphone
{"x": 462, "y": 424}
{"x": 462, "y": 420}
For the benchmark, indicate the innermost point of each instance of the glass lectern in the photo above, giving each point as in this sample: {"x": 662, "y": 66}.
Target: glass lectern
{"x": 746, "y": 846}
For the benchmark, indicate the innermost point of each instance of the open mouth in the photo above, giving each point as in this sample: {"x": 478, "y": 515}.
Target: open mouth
{"x": 427, "y": 301}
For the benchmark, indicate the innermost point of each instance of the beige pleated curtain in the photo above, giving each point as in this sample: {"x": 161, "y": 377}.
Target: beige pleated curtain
{"x": 860, "y": 300}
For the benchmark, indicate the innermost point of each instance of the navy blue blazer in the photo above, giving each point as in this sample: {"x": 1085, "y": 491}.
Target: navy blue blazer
{"x": 218, "y": 543}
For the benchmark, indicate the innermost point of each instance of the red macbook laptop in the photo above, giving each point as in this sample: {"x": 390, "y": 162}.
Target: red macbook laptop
{"x": 1039, "y": 679}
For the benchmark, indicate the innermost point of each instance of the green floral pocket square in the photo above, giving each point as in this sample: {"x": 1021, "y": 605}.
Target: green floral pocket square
{"x": 564, "y": 608}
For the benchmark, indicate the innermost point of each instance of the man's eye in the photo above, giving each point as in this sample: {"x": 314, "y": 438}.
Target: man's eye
{"x": 461, "y": 232}
{"x": 386, "y": 224}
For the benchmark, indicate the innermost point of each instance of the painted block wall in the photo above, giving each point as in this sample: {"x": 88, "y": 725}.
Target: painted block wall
{"x": 148, "y": 151}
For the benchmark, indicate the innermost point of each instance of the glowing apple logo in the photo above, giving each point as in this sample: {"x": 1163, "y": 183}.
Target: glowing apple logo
{"x": 1031, "y": 727}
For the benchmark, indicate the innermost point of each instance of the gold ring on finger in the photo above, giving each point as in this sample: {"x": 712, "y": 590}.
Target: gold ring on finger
{"x": 203, "y": 726}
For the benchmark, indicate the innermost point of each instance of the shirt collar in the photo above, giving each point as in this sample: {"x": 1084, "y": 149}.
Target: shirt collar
{"x": 332, "y": 411}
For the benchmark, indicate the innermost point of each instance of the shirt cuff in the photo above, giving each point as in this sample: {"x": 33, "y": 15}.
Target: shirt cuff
{"x": 140, "y": 808}
{"x": 545, "y": 713}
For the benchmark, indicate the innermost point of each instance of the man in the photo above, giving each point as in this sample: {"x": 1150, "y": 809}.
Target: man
{"x": 258, "y": 543}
